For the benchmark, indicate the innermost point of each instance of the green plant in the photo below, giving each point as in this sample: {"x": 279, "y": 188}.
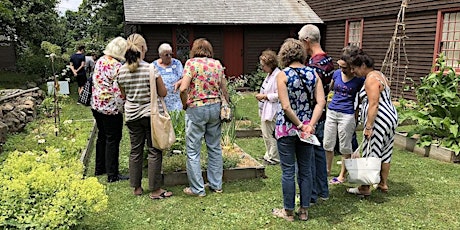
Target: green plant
{"x": 178, "y": 121}
{"x": 254, "y": 80}
{"x": 44, "y": 190}
{"x": 437, "y": 110}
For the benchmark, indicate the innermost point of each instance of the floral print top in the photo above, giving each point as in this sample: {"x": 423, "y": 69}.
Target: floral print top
{"x": 205, "y": 74}
{"x": 299, "y": 99}
{"x": 170, "y": 75}
{"x": 106, "y": 95}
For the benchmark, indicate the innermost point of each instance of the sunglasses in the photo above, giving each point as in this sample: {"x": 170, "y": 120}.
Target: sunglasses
{"x": 168, "y": 55}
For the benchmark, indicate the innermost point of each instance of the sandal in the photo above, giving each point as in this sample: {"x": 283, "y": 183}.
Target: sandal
{"x": 164, "y": 194}
{"x": 335, "y": 180}
{"x": 189, "y": 192}
{"x": 282, "y": 213}
{"x": 302, "y": 214}
{"x": 380, "y": 188}
{"x": 357, "y": 192}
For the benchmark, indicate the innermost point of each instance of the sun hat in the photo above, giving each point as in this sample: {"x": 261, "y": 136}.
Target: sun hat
{"x": 116, "y": 48}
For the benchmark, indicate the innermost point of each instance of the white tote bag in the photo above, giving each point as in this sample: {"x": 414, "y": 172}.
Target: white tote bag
{"x": 363, "y": 170}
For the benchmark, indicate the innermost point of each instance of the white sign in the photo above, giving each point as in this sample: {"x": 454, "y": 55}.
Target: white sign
{"x": 63, "y": 87}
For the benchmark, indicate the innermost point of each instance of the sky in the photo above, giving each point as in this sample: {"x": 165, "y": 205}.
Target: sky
{"x": 65, "y": 5}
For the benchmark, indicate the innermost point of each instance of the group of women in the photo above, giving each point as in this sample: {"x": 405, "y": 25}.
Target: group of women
{"x": 291, "y": 102}
{"x": 298, "y": 94}
{"x": 121, "y": 86}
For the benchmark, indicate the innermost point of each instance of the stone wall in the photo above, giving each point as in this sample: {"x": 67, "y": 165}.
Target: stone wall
{"x": 17, "y": 111}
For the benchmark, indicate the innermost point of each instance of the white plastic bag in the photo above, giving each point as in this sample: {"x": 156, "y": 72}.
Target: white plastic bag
{"x": 364, "y": 170}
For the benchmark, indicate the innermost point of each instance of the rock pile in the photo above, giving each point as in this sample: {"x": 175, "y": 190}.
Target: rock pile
{"x": 17, "y": 111}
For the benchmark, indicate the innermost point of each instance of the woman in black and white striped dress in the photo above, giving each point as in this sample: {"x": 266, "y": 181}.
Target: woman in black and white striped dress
{"x": 379, "y": 116}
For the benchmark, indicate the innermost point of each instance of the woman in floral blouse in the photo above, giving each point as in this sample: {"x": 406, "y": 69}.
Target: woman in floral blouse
{"x": 202, "y": 84}
{"x": 105, "y": 106}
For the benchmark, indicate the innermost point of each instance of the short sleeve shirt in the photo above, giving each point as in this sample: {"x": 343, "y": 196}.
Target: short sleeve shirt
{"x": 170, "y": 75}
{"x": 106, "y": 95}
{"x": 76, "y": 60}
{"x": 206, "y": 74}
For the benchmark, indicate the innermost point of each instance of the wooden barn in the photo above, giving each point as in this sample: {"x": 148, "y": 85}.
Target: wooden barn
{"x": 239, "y": 30}
{"x": 7, "y": 54}
{"x": 431, "y": 27}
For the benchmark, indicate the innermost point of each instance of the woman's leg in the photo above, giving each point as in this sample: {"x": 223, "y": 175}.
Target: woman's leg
{"x": 384, "y": 172}
{"x": 213, "y": 138}
{"x": 113, "y": 126}
{"x": 287, "y": 149}
{"x": 271, "y": 153}
{"x": 304, "y": 154}
{"x": 155, "y": 160}
{"x": 195, "y": 129}
{"x": 100, "y": 145}
{"x": 136, "y": 157}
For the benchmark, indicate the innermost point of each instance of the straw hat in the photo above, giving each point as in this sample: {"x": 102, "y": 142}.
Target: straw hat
{"x": 116, "y": 48}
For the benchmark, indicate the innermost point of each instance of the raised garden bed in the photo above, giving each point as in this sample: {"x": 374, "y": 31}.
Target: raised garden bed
{"x": 434, "y": 151}
{"x": 248, "y": 168}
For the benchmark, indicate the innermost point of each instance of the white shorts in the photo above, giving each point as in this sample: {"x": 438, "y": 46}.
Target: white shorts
{"x": 342, "y": 124}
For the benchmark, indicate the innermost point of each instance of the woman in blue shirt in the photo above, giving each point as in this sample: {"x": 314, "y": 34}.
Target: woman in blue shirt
{"x": 340, "y": 115}
{"x": 171, "y": 71}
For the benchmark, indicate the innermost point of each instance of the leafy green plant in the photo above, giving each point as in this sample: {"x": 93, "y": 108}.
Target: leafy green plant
{"x": 437, "y": 110}
{"x": 178, "y": 121}
{"x": 44, "y": 190}
{"x": 254, "y": 80}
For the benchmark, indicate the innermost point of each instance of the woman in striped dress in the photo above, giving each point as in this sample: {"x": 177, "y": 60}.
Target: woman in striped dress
{"x": 379, "y": 116}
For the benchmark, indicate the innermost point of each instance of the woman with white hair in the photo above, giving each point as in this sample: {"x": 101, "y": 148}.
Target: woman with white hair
{"x": 171, "y": 71}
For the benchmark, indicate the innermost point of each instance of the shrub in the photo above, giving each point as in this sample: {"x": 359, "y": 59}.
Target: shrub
{"x": 254, "y": 80}
{"x": 437, "y": 110}
{"x": 44, "y": 190}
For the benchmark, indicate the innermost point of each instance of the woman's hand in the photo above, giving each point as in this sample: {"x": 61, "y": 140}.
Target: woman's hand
{"x": 261, "y": 97}
{"x": 355, "y": 155}
{"x": 368, "y": 132}
{"x": 308, "y": 129}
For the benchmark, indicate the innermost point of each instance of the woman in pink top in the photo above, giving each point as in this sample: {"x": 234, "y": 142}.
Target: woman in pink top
{"x": 202, "y": 84}
{"x": 269, "y": 105}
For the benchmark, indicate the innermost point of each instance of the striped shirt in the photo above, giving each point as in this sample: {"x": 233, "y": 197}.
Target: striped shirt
{"x": 136, "y": 87}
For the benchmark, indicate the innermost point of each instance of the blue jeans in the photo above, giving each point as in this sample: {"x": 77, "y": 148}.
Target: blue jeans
{"x": 204, "y": 121}
{"x": 319, "y": 167}
{"x": 292, "y": 150}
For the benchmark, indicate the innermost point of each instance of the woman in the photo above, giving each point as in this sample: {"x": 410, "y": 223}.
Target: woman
{"x": 340, "y": 115}
{"x": 104, "y": 101}
{"x": 201, "y": 87}
{"x": 301, "y": 94}
{"x": 171, "y": 72}
{"x": 134, "y": 82}
{"x": 379, "y": 116}
{"x": 269, "y": 105}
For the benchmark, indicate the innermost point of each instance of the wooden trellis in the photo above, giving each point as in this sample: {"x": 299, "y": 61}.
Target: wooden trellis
{"x": 394, "y": 66}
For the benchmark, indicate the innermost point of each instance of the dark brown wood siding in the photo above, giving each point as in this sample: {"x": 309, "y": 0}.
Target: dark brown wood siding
{"x": 332, "y": 10}
{"x": 259, "y": 38}
{"x": 7, "y": 55}
{"x": 333, "y": 40}
{"x": 155, "y": 35}
{"x": 213, "y": 34}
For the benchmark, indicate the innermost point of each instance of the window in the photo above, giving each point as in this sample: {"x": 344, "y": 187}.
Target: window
{"x": 448, "y": 37}
{"x": 182, "y": 39}
{"x": 354, "y": 32}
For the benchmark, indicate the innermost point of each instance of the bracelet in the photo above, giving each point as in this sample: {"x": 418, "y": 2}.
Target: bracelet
{"x": 300, "y": 126}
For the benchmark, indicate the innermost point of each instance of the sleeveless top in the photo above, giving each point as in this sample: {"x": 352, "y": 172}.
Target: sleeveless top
{"x": 300, "y": 84}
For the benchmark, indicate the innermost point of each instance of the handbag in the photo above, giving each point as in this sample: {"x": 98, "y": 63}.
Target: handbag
{"x": 162, "y": 131}
{"x": 85, "y": 96}
{"x": 363, "y": 170}
{"x": 225, "y": 108}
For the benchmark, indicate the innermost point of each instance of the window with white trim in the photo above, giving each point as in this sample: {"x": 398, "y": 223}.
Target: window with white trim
{"x": 354, "y": 33}
{"x": 449, "y": 41}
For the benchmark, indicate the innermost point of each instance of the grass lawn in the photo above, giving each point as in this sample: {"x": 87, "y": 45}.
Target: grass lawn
{"x": 423, "y": 195}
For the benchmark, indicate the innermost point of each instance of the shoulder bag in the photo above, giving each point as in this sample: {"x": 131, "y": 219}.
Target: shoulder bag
{"x": 225, "y": 108}
{"x": 363, "y": 170}
{"x": 163, "y": 136}
{"x": 85, "y": 96}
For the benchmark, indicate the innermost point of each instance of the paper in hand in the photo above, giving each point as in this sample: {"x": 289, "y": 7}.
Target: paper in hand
{"x": 312, "y": 139}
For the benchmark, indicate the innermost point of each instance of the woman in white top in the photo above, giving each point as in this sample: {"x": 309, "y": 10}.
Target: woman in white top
{"x": 269, "y": 104}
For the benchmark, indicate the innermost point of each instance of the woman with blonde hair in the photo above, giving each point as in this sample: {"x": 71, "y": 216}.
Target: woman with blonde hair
{"x": 301, "y": 94}
{"x": 134, "y": 80}
{"x": 202, "y": 85}
{"x": 104, "y": 105}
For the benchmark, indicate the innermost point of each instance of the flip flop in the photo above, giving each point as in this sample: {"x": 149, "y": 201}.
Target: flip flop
{"x": 335, "y": 180}
{"x": 164, "y": 194}
{"x": 357, "y": 192}
{"x": 281, "y": 213}
{"x": 302, "y": 214}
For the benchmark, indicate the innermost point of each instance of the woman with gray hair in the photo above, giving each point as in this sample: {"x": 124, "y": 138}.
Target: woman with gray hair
{"x": 301, "y": 94}
{"x": 171, "y": 71}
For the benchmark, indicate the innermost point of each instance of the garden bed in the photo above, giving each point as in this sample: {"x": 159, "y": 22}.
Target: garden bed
{"x": 247, "y": 168}
{"x": 433, "y": 151}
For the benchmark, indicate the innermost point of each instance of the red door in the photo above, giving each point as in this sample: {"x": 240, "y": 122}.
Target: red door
{"x": 233, "y": 51}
